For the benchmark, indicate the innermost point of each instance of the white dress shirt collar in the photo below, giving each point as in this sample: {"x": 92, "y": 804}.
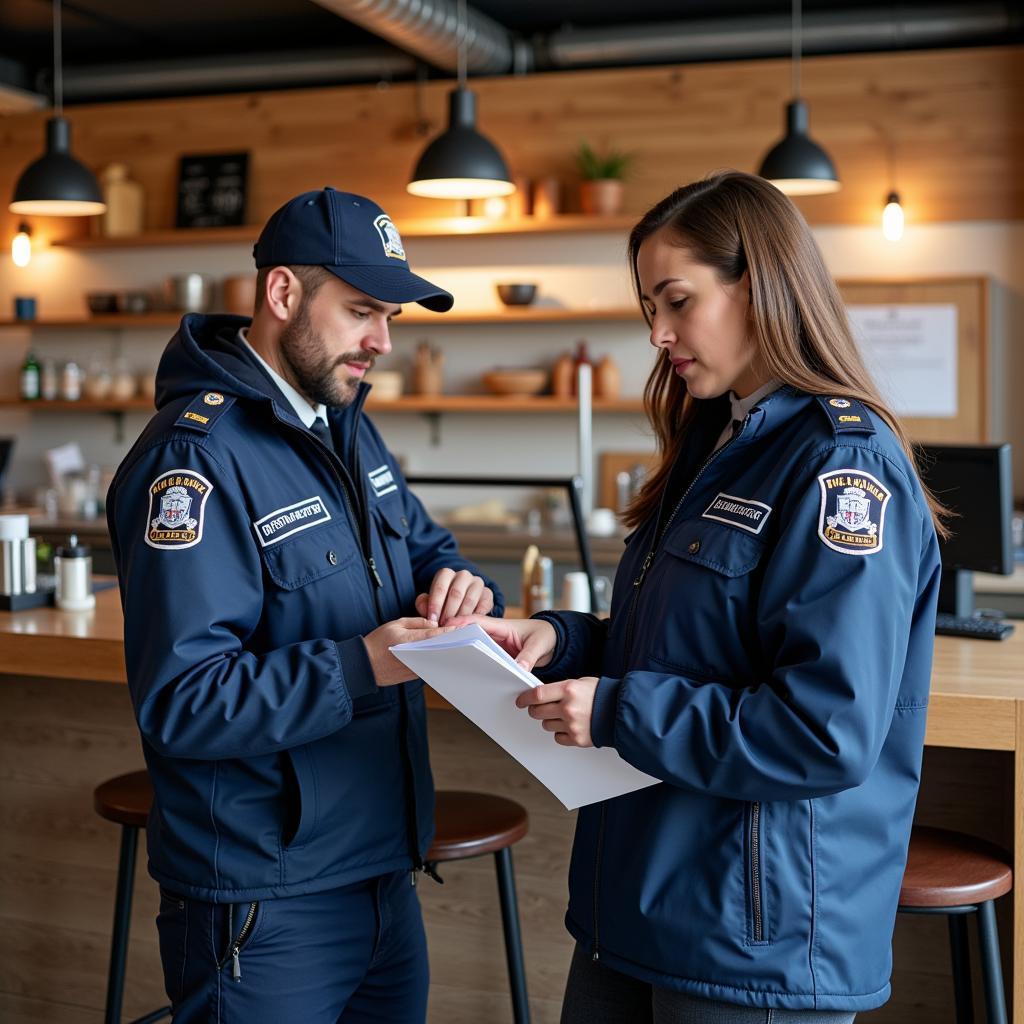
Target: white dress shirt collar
{"x": 306, "y": 412}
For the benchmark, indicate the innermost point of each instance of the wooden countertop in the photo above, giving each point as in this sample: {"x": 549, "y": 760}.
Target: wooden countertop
{"x": 88, "y": 646}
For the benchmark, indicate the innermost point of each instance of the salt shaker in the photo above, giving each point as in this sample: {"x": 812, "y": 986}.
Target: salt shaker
{"x": 73, "y": 565}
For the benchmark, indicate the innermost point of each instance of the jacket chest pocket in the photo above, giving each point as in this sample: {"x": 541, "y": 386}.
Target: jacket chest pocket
{"x": 393, "y": 531}
{"x": 310, "y": 556}
{"x": 705, "y": 595}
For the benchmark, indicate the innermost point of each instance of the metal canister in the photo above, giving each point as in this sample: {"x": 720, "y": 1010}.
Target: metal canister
{"x": 27, "y": 550}
{"x": 10, "y": 566}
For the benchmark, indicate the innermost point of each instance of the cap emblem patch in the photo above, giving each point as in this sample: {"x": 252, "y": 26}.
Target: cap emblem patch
{"x": 390, "y": 238}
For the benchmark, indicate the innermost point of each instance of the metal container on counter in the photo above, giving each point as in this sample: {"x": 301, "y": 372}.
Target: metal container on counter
{"x": 189, "y": 293}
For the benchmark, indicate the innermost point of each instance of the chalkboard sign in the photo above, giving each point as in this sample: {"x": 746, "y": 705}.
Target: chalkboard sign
{"x": 211, "y": 190}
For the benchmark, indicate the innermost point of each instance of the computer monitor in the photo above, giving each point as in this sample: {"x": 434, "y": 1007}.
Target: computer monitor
{"x": 6, "y": 445}
{"x": 975, "y": 482}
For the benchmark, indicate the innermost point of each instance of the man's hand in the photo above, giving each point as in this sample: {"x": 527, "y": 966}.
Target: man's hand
{"x": 387, "y": 669}
{"x": 454, "y": 593}
{"x": 563, "y": 708}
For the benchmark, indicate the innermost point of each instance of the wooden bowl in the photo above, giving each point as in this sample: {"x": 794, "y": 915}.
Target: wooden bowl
{"x": 387, "y": 384}
{"x": 516, "y": 382}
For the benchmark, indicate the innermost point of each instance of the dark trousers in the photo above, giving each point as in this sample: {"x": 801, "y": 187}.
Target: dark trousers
{"x": 353, "y": 955}
{"x": 595, "y": 994}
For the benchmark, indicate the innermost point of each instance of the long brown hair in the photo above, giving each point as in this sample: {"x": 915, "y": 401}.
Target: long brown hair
{"x": 736, "y": 223}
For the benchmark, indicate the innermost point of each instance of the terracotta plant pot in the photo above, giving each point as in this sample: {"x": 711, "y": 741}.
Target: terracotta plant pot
{"x": 602, "y": 197}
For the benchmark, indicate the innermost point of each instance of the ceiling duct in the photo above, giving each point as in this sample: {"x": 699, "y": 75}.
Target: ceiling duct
{"x": 229, "y": 73}
{"x": 428, "y": 29}
{"x": 823, "y": 32}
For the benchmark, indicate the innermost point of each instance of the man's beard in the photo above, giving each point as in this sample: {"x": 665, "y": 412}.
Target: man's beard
{"x": 305, "y": 354}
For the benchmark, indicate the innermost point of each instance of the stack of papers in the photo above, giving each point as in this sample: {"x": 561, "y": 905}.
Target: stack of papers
{"x": 472, "y": 672}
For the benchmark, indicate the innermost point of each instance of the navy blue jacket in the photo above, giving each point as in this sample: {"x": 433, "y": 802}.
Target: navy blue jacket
{"x": 771, "y": 663}
{"x": 252, "y": 560}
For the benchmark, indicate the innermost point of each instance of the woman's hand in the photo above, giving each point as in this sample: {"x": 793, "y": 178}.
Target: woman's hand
{"x": 563, "y": 708}
{"x": 531, "y": 642}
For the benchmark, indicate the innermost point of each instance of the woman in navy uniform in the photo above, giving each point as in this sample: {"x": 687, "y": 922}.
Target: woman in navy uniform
{"x": 768, "y": 652}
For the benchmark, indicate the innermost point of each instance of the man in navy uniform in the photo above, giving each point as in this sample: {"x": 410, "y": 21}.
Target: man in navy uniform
{"x": 269, "y": 553}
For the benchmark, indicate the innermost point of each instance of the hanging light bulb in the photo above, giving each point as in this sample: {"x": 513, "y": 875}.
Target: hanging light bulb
{"x": 797, "y": 165}
{"x": 461, "y": 163}
{"x": 21, "y": 246}
{"x": 892, "y": 218}
{"x": 57, "y": 185}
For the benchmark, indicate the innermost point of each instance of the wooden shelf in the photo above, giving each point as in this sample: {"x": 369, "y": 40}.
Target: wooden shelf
{"x": 409, "y": 404}
{"x": 413, "y": 315}
{"x": 496, "y": 404}
{"x": 83, "y": 405}
{"x": 111, "y": 321}
{"x": 432, "y": 227}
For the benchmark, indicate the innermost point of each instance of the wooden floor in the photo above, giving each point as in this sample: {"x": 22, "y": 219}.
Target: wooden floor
{"x": 58, "y": 863}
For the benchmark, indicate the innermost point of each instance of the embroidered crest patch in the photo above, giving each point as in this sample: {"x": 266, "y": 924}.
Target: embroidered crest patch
{"x": 283, "y": 522}
{"x": 852, "y": 515}
{"x": 742, "y": 512}
{"x": 390, "y": 237}
{"x": 177, "y": 501}
{"x": 382, "y": 480}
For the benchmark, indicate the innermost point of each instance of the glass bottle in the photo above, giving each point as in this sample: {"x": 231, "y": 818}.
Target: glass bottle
{"x": 30, "y": 378}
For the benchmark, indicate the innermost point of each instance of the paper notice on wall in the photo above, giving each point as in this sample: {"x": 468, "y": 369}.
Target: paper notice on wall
{"x": 911, "y": 353}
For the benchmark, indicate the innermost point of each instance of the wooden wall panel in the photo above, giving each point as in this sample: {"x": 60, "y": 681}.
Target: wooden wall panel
{"x": 948, "y": 119}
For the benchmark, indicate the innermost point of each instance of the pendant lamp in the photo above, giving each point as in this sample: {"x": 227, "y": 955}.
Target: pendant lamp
{"x": 797, "y": 165}
{"x": 461, "y": 163}
{"x": 57, "y": 185}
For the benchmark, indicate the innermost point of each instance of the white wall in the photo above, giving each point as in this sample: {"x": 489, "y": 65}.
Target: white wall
{"x": 573, "y": 270}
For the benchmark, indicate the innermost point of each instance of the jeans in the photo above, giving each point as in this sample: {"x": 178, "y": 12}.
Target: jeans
{"x": 595, "y": 994}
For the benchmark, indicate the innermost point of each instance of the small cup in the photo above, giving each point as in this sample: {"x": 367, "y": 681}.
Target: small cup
{"x": 602, "y": 522}
{"x": 575, "y": 592}
{"x": 24, "y": 307}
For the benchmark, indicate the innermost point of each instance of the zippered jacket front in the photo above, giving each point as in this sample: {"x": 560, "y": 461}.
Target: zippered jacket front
{"x": 768, "y": 657}
{"x": 252, "y": 560}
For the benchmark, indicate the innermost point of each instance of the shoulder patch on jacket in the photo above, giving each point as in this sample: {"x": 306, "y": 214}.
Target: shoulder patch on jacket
{"x": 177, "y": 503}
{"x": 846, "y": 414}
{"x": 852, "y": 514}
{"x": 204, "y": 410}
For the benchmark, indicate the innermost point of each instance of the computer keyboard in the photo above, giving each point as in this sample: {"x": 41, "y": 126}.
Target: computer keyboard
{"x": 974, "y": 627}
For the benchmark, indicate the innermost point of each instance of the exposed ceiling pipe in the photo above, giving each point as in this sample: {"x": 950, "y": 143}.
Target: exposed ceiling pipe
{"x": 429, "y": 29}
{"x": 252, "y": 71}
{"x": 823, "y": 31}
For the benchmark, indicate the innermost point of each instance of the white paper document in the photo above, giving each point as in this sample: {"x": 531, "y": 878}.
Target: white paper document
{"x": 472, "y": 672}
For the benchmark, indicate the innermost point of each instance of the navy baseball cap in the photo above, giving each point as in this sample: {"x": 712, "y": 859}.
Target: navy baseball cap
{"x": 353, "y": 238}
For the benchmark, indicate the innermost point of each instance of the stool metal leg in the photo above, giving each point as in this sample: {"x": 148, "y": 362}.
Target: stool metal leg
{"x": 513, "y": 939}
{"x": 122, "y": 920}
{"x": 961, "y": 956}
{"x": 992, "y": 969}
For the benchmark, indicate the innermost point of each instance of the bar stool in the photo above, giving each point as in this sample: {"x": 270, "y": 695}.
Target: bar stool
{"x": 124, "y": 800}
{"x": 955, "y": 874}
{"x": 470, "y": 825}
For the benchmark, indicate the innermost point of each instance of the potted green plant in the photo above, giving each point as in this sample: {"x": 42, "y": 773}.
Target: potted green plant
{"x": 601, "y": 189}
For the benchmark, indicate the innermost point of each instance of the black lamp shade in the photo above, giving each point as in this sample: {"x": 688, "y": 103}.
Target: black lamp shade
{"x": 461, "y": 163}
{"x": 57, "y": 185}
{"x": 798, "y": 166}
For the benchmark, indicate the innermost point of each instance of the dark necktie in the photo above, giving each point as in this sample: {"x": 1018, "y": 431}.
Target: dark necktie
{"x": 323, "y": 432}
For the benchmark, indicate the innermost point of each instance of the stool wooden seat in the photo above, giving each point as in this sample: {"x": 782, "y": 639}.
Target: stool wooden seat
{"x": 957, "y": 875}
{"x": 950, "y": 869}
{"x": 124, "y": 800}
{"x": 471, "y": 825}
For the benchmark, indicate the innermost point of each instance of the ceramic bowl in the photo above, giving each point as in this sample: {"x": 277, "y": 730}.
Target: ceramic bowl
{"x": 516, "y": 294}
{"x": 515, "y": 382}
